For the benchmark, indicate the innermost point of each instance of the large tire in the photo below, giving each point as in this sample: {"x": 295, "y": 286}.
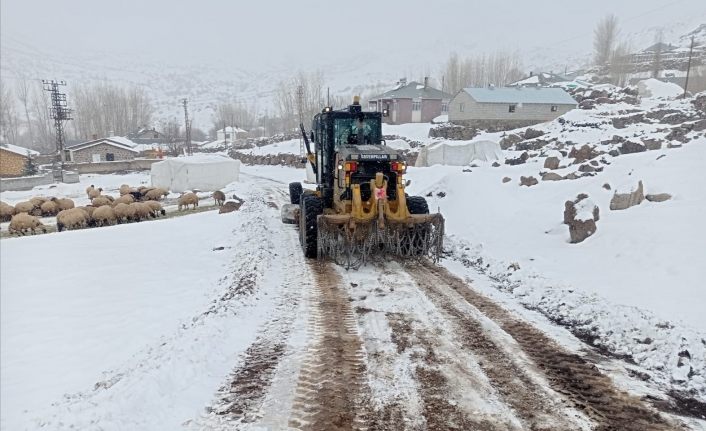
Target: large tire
{"x": 295, "y": 192}
{"x": 310, "y": 208}
{"x": 417, "y": 205}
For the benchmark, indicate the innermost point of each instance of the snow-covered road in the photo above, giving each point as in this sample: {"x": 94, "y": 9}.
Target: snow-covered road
{"x": 217, "y": 322}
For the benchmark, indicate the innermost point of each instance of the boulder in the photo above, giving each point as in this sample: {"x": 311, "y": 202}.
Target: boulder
{"x": 532, "y": 133}
{"x": 659, "y": 197}
{"x": 495, "y": 165}
{"x": 621, "y": 201}
{"x": 551, "y": 163}
{"x": 519, "y": 160}
{"x": 586, "y": 168}
{"x": 606, "y": 186}
{"x": 699, "y": 125}
{"x": 510, "y": 140}
{"x": 571, "y": 176}
{"x": 552, "y": 176}
{"x": 507, "y": 179}
{"x": 581, "y": 216}
{"x": 653, "y": 144}
{"x": 582, "y": 154}
{"x": 587, "y": 104}
{"x": 630, "y": 147}
{"x": 528, "y": 181}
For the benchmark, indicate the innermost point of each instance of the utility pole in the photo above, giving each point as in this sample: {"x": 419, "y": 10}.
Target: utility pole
{"x": 60, "y": 112}
{"x": 187, "y": 128}
{"x": 688, "y": 67}
{"x": 300, "y": 104}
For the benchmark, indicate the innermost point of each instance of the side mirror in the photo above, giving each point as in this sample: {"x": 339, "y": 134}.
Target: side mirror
{"x": 385, "y": 113}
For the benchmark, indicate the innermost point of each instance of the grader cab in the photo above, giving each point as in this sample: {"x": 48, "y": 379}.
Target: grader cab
{"x": 359, "y": 207}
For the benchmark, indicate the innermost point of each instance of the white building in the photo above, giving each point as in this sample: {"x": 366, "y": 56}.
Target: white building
{"x": 230, "y": 134}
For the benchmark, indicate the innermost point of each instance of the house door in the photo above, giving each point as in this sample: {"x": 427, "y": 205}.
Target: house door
{"x": 96, "y": 158}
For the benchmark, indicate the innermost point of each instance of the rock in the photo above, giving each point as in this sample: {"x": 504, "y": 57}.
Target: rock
{"x": 551, "y": 163}
{"x": 528, "y": 181}
{"x": 606, "y": 186}
{"x": 581, "y": 216}
{"x": 552, "y": 176}
{"x": 699, "y": 125}
{"x": 519, "y": 160}
{"x": 510, "y": 140}
{"x": 586, "y": 168}
{"x": 699, "y": 102}
{"x": 678, "y": 134}
{"x": 621, "y": 201}
{"x": 674, "y": 118}
{"x": 653, "y": 144}
{"x": 532, "y": 133}
{"x": 671, "y": 145}
{"x": 614, "y": 153}
{"x": 630, "y": 147}
{"x": 495, "y": 165}
{"x": 571, "y": 176}
{"x": 507, "y": 179}
{"x": 659, "y": 197}
{"x": 587, "y": 104}
{"x": 531, "y": 145}
{"x": 582, "y": 154}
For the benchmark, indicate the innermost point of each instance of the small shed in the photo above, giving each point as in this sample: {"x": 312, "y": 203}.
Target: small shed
{"x": 111, "y": 149}
{"x": 507, "y": 108}
{"x": 13, "y": 160}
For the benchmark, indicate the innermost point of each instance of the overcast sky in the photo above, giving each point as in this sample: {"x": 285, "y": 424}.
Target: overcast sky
{"x": 261, "y": 32}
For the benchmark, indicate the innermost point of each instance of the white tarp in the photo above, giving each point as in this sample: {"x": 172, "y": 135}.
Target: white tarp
{"x": 459, "y": 153}
{"x": 202, "y": 172}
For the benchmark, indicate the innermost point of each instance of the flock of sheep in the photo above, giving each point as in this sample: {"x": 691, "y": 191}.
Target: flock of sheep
{"x": 133, "y": 205}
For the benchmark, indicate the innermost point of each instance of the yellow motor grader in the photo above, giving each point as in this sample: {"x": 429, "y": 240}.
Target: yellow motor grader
{"x": 359, "y": 207}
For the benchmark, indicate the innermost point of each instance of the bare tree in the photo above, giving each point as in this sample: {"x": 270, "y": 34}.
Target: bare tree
{"x": 605, "y": 36}
{"x": 23, "y": 91}
{"x": 287, "y": 97}
{"x": 619, "y": 64}
{"x": 499, "y": 68}
{"x": 8, "y": 116}
{"x": 657, "y": 56}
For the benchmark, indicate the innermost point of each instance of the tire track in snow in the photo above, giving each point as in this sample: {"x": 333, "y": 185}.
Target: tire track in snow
{"x": 332, "y": 390}
{"x": 568, "y": 374}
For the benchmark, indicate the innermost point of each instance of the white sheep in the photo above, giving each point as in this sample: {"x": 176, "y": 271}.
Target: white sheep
{"x": 188, "y": 199}
{"x": 104, "y": 216}
{"x": 74, "y": 218}
{"x": 6, "y": 212}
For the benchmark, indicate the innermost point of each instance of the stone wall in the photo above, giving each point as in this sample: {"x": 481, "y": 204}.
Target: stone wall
{"x": 11, "y": 164}
{"x": 28, "y": 183}
{"x": 111, "y": 167}
{"x": 85, "y": 155}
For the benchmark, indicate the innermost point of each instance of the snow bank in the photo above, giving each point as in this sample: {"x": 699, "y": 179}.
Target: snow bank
{"x": 657, "y": 89}
{"x": 203, "y": 172}
{"x": 459, "y": 153}
{"x": 291, "y": 146}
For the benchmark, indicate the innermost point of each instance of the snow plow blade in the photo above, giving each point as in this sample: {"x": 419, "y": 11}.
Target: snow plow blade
{"x": 351, "y": 242}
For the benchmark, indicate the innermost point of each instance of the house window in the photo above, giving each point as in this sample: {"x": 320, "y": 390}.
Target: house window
{"x": 227, "y": 135}
{"x": 156, "y": 135}
{"x": 110, "y": 157}
{"x": 511, "y": 108}
{"x": 461, "y": 107}
{"x": 444, "y": 107}
{"x": 416, "y": 106}
{"x": 555, "y": 108}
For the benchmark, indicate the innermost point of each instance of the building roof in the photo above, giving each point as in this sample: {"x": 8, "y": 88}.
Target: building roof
{"x": 231, "y": 129}
{"x": 22, "y": 151}
{"x": 116, "y": 141}
{"x": 660, "y": 46}
{"x": 520, "y": 95}
{"x": 413, "y": 90}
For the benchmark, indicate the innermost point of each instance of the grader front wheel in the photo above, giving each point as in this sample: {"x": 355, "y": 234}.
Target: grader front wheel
{"x": 310, "y": 208}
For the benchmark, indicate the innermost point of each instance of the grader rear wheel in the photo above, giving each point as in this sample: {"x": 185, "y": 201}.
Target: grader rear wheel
{"x": 295, "y": 192}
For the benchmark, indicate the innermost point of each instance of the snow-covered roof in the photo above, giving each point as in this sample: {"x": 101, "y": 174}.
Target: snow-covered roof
{"x": 22, "y": 151}
{"x": 116, "y": 141}
{"x": 231, "y": 129}
{"x": 520, "y": 95}
{"x": 413, "y": 90}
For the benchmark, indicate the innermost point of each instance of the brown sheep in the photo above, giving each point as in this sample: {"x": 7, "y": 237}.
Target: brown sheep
{"x": 94, "y": 193}
{"x": 74, "y": 218}
{"x": 156, "y": 208}
{"x": 155, "y": 194}
{"x": 230, "y": 206}
{"x": 38, "y": 201}
{"x": 6, "y": 212}
{"x": 89, "y": 189}
{"x": 124, "y": 189}
{"x": 124, "y": 213}
{"x": 22, "y": 222}
{"x": 142, "y": 211}
{"x": 64, "y": 204}
{"x": 24, "y": 207}
{"x": 100, "y": 201}
{"x": 188, "y": 199}
{"x": 104, "y": 216}
{"x": 219, "y": 197}
{"x": 49, "y": 208}
{"x": 124, "y": 199}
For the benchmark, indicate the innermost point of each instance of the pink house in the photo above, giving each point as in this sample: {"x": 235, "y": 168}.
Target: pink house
{"x": 411, "y": 103}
